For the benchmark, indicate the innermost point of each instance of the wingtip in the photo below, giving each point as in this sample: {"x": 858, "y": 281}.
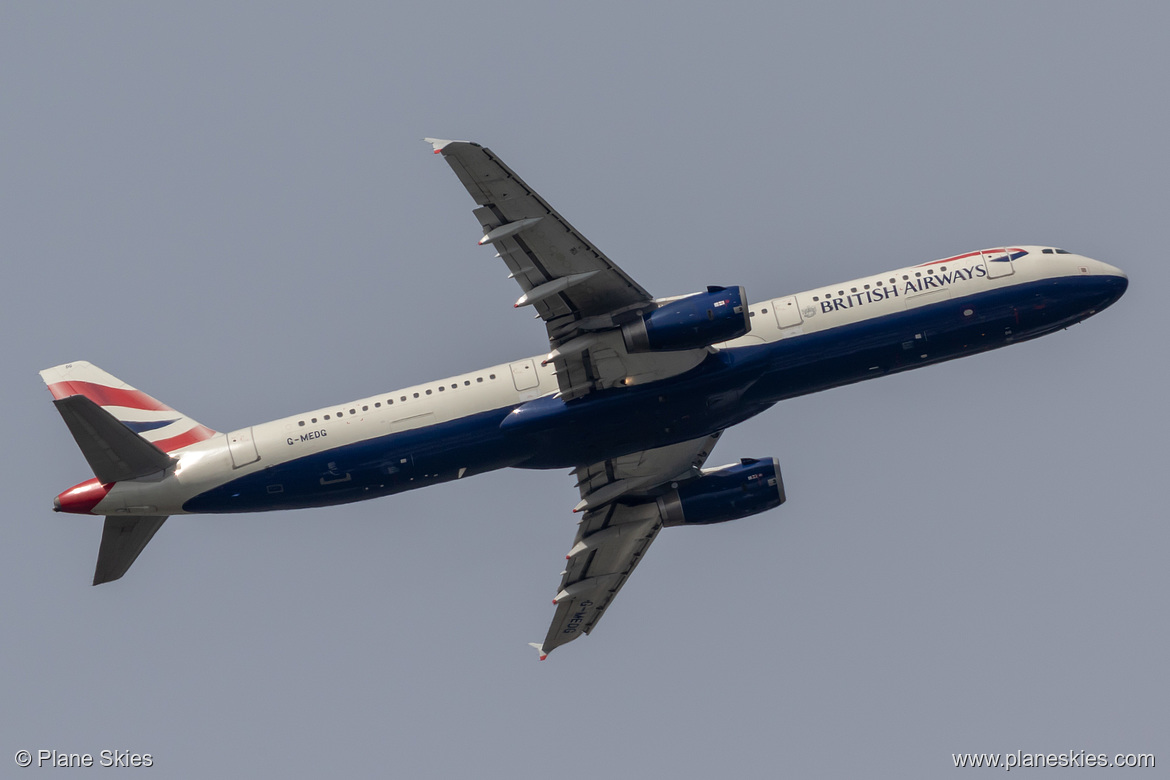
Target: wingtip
{"x": 439, "y": 144}
{"x": 539, "y": 649}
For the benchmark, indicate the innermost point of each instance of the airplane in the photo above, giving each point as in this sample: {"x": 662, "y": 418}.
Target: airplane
{"x": 632, "y": 396}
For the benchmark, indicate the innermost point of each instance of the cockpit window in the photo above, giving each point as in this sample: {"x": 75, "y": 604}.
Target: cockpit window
{"x": 1048, "y": 251}
{"x": 1063, "y": 252}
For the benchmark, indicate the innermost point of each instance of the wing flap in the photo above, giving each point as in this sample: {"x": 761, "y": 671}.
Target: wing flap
{"x": 521, "y": 224}
{"x": 622, "y": 518}
{"x": 599, "y": 569}
{"x": 570, "y": 283}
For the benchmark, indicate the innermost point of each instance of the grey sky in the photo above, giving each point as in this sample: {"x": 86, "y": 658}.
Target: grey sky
{"x": 232, "y": 209}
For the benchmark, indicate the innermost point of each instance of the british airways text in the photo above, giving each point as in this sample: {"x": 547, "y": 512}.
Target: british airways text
{"x": 910, "y": 287}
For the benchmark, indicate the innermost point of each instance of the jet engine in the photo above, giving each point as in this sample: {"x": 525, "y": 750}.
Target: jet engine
{"x": 692, "y": 322}
{"x": 725, "y": 493}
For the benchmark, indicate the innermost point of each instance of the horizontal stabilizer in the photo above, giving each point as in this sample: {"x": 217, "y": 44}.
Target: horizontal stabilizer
{"x": 114, "y": 452}
{"x": 123, "y": 538}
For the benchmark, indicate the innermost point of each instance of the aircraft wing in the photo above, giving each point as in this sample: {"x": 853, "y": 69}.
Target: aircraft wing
{"x": 621, "y": 520}
{"x": 579, "y": 292}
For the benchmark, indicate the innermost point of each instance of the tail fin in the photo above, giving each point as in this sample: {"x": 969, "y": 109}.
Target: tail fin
{"x": 124, "y": 434}
{"x": 154, "y": 421}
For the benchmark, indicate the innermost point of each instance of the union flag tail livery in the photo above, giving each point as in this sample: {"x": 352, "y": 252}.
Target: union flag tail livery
{"x": 126, "y": 436}
{"x": 633, "y": 394}
{"x": 151, "y": 419}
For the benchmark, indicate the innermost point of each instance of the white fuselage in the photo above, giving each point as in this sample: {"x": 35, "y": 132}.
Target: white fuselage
{"x": 229, "y": 458}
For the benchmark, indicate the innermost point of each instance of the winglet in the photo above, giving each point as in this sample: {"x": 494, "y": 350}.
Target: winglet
{"x": 539, "y": 649}
{"x": 439, "y": 143}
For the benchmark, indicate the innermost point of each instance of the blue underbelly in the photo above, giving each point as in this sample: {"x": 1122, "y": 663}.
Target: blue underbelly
{"x": 729, "y": 387}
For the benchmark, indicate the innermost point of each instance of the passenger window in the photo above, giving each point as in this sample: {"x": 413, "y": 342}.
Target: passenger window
{"x": 301, "y": 423}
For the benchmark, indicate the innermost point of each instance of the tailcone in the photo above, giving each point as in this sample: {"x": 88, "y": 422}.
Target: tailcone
{"x": 81, "y": 499}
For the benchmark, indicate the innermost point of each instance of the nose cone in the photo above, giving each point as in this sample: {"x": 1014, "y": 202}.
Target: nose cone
{"x": 1115, "y": 282}
{"x": 1111, "y": 270}
{"x": 81, "y": 499}
{"x": 1102, "y": 284}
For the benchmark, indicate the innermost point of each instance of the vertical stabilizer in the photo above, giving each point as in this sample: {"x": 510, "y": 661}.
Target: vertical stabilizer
{"x": 124, "y": 434}
{"x": 154, "y": 421}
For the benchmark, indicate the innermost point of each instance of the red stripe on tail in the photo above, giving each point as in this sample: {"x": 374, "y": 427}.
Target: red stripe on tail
{"x": 108, "y": 396}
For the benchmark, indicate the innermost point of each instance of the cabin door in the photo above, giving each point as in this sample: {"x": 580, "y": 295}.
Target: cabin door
{"x": 242, "y": 447}
{"x": 526, "y": 379}
{"x": 998, "y": 263}
{"x": 787, "y": 312}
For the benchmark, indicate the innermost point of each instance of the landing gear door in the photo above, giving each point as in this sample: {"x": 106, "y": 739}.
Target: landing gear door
{"x": 998, "y": 263}
{"x": 243, "y": 447}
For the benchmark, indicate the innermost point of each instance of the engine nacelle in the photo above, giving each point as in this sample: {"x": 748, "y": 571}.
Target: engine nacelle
{"x": 695, "y": 321}
{"x": 728, "y": 493}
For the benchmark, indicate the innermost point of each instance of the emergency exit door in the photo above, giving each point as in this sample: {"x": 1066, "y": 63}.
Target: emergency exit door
{"x": 242, "y": 447}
